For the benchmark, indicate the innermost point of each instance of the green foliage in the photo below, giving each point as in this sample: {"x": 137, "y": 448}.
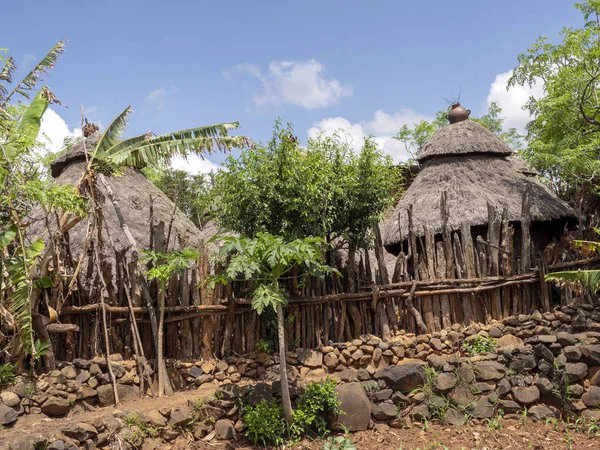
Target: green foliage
{"x": 495, "y": 423}
{"x": 586, "y": 278}
{"x": 479, "y": 345}
{"x": 138, "y": 430}
{"x": 265, "y": 346}
{"x": 168, "y": 264}
{"x": 564, "y": 135}
{"x": 323, "y": 189}
{"x": 149, "y": 149}
{"x": 339, "y": 443}
{"x": 315, "y": 406}
{"x": 192, "y": 194}
{"x": 265, "y": 424}
{"x": 7, "y": 374}
{"x": 265, "y": 259}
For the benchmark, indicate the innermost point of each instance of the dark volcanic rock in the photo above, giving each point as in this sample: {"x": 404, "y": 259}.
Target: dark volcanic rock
{"x": 405, "y": 378}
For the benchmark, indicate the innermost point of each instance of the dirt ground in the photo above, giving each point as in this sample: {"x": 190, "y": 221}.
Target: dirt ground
{"x": 512, "y": 434}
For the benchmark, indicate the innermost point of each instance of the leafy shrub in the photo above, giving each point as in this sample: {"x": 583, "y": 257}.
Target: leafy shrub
{"x": 265, "y": 346}
{"x": 265, "y": 423}
{"x": 7, "y": 374}
{"x": 479, "y": 345}
{"x": 315, "y": 406}
{"x": 138, "y": 430}
{"x": 339, "y": 443}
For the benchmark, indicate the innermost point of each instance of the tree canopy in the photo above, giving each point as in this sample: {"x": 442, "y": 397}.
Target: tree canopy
{"x": 323, "y": 189}
{"x": 563, "y": 136}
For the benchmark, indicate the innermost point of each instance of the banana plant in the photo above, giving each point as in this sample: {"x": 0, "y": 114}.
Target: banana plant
{"x": 587, "y": 278}
{"x": 114, "y": 153}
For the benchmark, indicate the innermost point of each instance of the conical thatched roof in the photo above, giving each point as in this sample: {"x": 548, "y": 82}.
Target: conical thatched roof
{"x": 133, "y": 192}
{"x": 474, "y": 167}
{"x": 462, "y": 138}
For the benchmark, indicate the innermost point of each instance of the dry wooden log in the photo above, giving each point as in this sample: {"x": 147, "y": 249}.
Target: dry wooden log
{"x": 61, "y": 328}
{"x": 416, "y": 314}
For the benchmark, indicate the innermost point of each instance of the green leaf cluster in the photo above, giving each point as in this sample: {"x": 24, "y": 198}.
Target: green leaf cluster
{"x": 265, "y": 259}
{"x": 192, "y": 194}
{"x": 315, "y": 407}
{"x": 265, "y": 424}
{"x": 564, "y": 135}
{"x": 323, "y": 189}
{"x": 165, "y": 265}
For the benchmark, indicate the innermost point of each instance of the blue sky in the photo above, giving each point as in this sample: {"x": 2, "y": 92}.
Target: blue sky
{"x": 368, "y": 67}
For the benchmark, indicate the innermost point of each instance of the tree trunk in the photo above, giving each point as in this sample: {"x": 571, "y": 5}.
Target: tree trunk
{"x": 285, "y": 388}
{"x": 159, "y": 350}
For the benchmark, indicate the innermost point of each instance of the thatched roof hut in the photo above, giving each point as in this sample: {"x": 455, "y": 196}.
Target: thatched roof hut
{"x": 134, "y": 194}
{"x": 474, "y": 167}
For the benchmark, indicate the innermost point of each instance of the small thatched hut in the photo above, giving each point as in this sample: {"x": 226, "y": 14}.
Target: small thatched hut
{"x": 474, "y": 168}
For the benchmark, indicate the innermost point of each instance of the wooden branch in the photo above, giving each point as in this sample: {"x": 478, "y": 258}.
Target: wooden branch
{"x": 61, "y": 327}
{"x": 140, "y": 309}
{"x": 416, "y": 314}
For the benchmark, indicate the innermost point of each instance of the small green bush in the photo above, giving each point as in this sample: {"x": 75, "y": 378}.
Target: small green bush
{"x": 479, "y": 345}
{"x": 138, "y": 430}
{"x": 7, "y": 374}
{"x": 265, "y": 424}
{"x": 265, "y": 346}
{"x": 339, "y": 443}
{"x": 315, "y": 406}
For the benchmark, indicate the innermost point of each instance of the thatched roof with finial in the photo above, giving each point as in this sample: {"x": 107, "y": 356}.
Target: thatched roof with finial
{"x": 474, "y": 167}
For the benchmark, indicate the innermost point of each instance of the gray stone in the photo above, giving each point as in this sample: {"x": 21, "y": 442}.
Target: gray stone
{"x": 543, "y": 384}
{"x": 591, "y": 354}
{"x": 576, "y": 390}
{"x": 82, "y": 363}
{"x": 404, "y": 378}
{"x": 435, "y": 344}
{"x": 310, "y": 358}
{"x": 349, "y": 375}
{"x": 444, "y": 382}
{"x": 509, "y": 407}
{"x": 224, "y": 429}
{"x": 356, "y": 406}
{"x": 481, "y": 409}
{"x": 180, "y": 416}
{"x": 575, "y": 371}
{"x": 384, "y": 411}
{"x": 363, "y": 375}
{"x": 80, "y": 431}
{"x": 488, "y": 370}
{"x": 462, "y": 395}
{"x": 525, "y": 395}
{"x": 399, "y": 398}
{"x": 503, "y": 387}
{"x": 228, "y": 392}
{"x": 572, "y": 353}
{"x": 508, "y": 340}
{"x": 540, "y": 412}
{"x": 524, "y": 362}
{"x": 7, "y": 415}
{"x": 196, "y": 372}
{"x": 27, "y": 442}
{"x": 435, "y": 361}
{"x": 118, "y": 370}
{"x": 592, "y": 397}
{"x": 421, "y": 412}
{"x": 56, "y": 406}
{"x": 544, "y": 352}
{"x": 126, "y": 393}
{"x": 258, "y": 393}
{"x": 69, "y": 372}
{"x": 95, "y": 370}
{"x": 9, "y": 398}
{"x": 454, "y": 417}
{"x": 113, "y": 425}
{"x": 381, "y": 395}
{"x": 331, "y": 360}
{"x": 155, "y": 418}
{"x": 466, "y": 374}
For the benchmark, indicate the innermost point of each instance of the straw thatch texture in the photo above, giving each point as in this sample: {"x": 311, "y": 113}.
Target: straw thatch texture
{"x": 471, "y": 182}
{"x": 462, "y": 138}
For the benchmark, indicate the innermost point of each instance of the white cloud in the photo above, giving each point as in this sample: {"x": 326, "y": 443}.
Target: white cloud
{"x": 194, "y": 164}
{"x": 383, "y": 127}
{"x": 54, "y": 130}
{"x": 296, "y": 83}
{"x": 158, "y": 96}
{"x": 512, "y": 100}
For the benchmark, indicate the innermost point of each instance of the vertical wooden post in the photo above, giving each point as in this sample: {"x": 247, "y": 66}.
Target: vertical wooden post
{"x": 469, "y": 269}
{"x": 452, "y": 300}
{"x": 526, "y": 246}
{"x": 207, "y": 323}
{"x": 494, "y": 223}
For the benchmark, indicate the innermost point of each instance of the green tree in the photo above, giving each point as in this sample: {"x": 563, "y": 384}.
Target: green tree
{"x": 415, "y": 136}
{"x": 265, "y": 259}
{"x": 323, "y": 189}
{"x": 564, "y": 135}
{"x": 22, "y": 187}
{"x": 192, "y": 194}
{"x": 165, "y": 266}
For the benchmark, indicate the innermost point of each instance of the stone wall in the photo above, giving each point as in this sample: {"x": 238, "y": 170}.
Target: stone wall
{"x": 547, "y": 364}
